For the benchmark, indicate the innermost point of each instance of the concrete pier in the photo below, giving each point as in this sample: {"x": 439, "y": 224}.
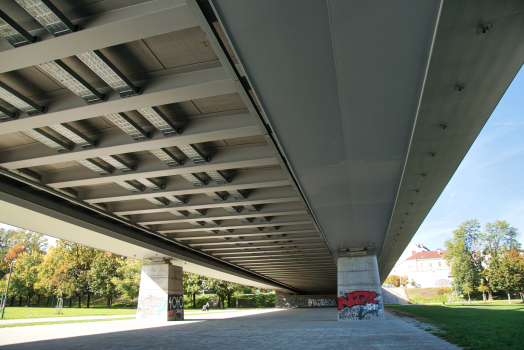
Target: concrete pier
{"x": 359, "y": 292}
{"x": 161, "y": 295}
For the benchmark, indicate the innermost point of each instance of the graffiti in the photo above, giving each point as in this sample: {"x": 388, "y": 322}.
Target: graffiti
{"x": 175, "y": 307}
{"x": 151, "y": 307}
{"x": 359, "y": 305}
{"x": 322, "y": 302}
{"x": 300, "y": 302}
{"x": 284, "y": 303}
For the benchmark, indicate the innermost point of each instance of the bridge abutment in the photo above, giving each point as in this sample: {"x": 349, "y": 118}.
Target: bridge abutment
{"x": 161, "y": 292}
{"x": 359, "y": 293}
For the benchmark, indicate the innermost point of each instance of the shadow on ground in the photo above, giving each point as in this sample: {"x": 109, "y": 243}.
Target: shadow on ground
{"x": 268, "y": 329}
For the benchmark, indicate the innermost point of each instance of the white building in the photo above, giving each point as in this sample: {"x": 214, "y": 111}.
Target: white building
{"x": 427, "y": 268}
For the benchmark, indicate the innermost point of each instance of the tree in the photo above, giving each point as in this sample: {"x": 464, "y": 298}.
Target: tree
{"x": 393, "y": 279}
{"x": 9, "y": 259}
{"x": 30, "y": 241}
{"x": 500, "y": 238}
{"x": 474, "y": 255}
{"x": 222, "y": 289}
{"x": 509, "y": 274}
{"x": 218, "y": 288}
{"x": 466, "y": 255}
{"x": 232, "y": 289}
{"x": 25, "y": 277}
{"x": 192, "y": 285}
{"x": 483, "y": 289}
{"x": 127, "y": 281}
{"x": 104, "y": 269}
{"x": 65, "y": 269}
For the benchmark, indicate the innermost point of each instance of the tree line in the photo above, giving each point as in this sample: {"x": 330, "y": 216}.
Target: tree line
{"x": 66, "y": 270}
{"x": 71, "y": 270}
{"x": 486, "y": 259}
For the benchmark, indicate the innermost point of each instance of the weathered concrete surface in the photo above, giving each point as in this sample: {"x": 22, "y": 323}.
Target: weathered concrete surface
{"x": 394, "y": 296}
{"x": 359, "y": 291}
{"x": 161, "y": 292}
{"x": 298, "y": 328}
{"x": 283, "y": 300}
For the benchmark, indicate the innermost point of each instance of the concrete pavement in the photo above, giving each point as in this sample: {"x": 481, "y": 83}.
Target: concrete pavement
{"x": 255, "y": 329}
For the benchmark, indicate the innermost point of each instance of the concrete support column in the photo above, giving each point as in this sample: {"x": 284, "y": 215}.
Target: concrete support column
{"x": 161, "y": 295}
{"x": 359, "y": 294}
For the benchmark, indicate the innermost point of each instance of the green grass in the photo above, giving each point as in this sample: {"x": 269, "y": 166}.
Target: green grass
{"x": 59, "y": 322}
{"x": 186, "y": 312}
{"x": 13, "y": 313}
{"x": 478, "y": 326}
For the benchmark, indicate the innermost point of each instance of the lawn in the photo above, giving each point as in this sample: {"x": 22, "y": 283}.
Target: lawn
{"x": 12, "y": 313}
{"x": 58, "y": 322}
{"x": 477, "y": 326}
{"x": 22, "y": 312}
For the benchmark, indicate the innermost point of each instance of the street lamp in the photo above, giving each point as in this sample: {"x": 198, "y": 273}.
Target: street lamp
{"x": 7, "y": 287}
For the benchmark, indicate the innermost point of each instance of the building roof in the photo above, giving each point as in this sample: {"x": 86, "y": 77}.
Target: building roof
{"x": 433, "y": 254}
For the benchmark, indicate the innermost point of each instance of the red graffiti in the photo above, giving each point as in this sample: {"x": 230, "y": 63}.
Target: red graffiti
{"x": 357, "y": 298}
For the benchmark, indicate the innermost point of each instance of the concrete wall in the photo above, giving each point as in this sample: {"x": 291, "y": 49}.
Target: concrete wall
{"x": 283, "y": 300}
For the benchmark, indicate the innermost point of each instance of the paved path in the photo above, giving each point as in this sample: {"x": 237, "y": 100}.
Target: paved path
{"x": 255, "y": 329}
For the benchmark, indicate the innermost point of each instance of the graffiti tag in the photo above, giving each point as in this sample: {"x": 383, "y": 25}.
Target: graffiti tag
{"x": 151, "y": 306}
{"x": 359, "y": 305}
{"x": 175, "y": 306}
{"x": 322, "y": 302}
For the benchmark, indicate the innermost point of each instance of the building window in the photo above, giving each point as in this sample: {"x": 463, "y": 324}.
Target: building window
{"x": 439, "y": 264}
{"x": 430, "y": 265}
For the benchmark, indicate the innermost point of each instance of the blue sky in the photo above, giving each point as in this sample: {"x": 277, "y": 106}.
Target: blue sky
{"x": 489, "y": 183}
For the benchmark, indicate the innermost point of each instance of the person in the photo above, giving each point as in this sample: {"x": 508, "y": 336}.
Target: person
{"x": 204, "y": 308}
{"x": 207, "y": 306}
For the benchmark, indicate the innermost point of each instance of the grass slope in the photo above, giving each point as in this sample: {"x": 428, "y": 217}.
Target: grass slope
{"x": 476, "y": 326}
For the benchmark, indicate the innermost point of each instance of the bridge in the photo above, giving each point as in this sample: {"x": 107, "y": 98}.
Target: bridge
{"x": 290, "y": 145}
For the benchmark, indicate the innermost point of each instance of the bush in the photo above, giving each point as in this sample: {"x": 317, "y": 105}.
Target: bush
{"x": 255, "y": 300}
{"x": 261, "y": 300}
{"x": 443, "y": 290}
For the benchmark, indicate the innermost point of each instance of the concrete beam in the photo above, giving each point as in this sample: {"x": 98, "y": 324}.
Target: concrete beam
{"x": 102, "y": 30}
{"x": 300, "y": 275}
{"x": 275, "y": 261}
{"x": 266, "y": 240}
{"x": 285, "y": 261}
{"x": 224, "y": 217}
{"x": 156, "y": 92}
{"x": 274, "y": 246}
{"x": 118, "y": 142}
{"x": 317, "y": 263}
{"x": 258, "y": 197}
{"x": 241, "y": 180}
{"x": 230, "y": 159}
{"x": 239, "y": 227}
{"x": 287, "y": 254}
{"x": 301, "y": 272}
{"x": 250, "y": 250}
{"x": 251, "y": 234}
{"x": 304, "y": 267}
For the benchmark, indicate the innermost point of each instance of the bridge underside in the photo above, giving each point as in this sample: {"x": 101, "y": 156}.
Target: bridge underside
{"x": 266, "y": 136}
